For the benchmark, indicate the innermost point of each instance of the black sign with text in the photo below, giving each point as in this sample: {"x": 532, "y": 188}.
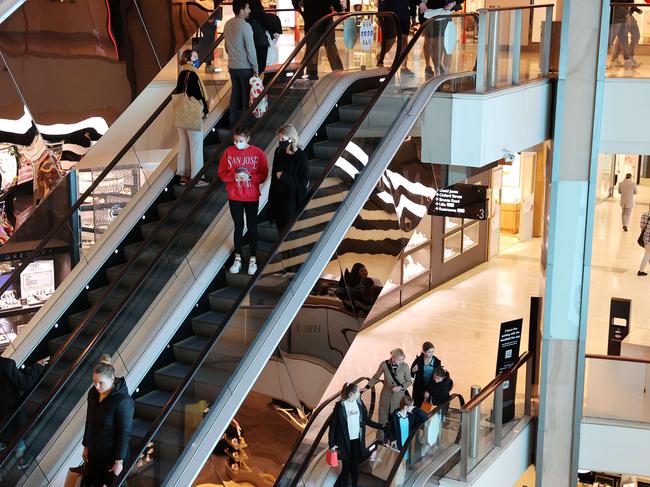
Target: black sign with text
{"x": 507, "y": 357}
{"x": 461, "y": 201}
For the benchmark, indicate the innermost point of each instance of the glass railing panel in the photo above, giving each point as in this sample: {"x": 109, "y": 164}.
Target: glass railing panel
{"x": 627, "y": 41}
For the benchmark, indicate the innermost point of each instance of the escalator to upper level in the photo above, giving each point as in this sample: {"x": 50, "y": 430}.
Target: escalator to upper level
{"x": 137, "y": 266}
{"x": 217, "y": 354}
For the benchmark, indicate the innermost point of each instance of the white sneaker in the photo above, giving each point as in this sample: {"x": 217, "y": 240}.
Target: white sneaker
{"x": 630, "y": 63}
{"x": 252, "y": 266}
{"x": 635, "y": 63}
{"x": 615, "y": 63}
{"x": 236, "y": 266}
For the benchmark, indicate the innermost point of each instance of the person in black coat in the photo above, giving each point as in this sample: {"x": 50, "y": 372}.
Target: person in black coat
{"x": 422, "y": 371}
{"x": 405, "y": 10}
{"x": 289, "y": 178}
{"x": 262, "y": 22}
{"x": 407, "y": 413}
{"x": 109, "y": 419}
{"x": 438, "y": 389}
{"x": 347, "y": 433}
{"x": 313, "y": 11}
{"x": 14, "y": 383}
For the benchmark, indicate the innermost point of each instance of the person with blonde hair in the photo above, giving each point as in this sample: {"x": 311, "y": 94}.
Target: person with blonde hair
{"x": 396, "y": 381}
{"x": 289, "y": 178}
{"x": 109, "y": 419}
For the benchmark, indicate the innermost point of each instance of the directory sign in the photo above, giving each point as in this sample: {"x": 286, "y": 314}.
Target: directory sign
{"x": 507, "y": 357}
{"x": 461, "y": 201}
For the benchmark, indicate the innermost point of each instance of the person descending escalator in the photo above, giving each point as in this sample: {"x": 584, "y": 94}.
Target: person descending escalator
{"x": 422, "y": 371}
{"x": 402, "y": 422}
{"x": 313, "y": 11}
{"x": 109, "y": 419}
{"x": 243, "y": 167}
{"x": 289, "y": 179}
{"x": 438, "y": 389}
{"x": 263, "y": 23}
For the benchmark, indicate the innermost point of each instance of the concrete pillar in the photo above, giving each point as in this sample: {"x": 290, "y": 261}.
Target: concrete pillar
{"x": 573, "y": 182}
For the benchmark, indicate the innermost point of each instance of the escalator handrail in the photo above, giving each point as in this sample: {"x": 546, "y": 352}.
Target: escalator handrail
{"x": 336, "y": 18}
{"x": 71, "y": 211}
{"x": 313, "y": 417}
{"x": 6, "y": 453}
{"x": 203, "y": 355}
{"x": 414, "y": 433}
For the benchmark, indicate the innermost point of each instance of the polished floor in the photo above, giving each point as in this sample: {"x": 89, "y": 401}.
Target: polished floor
{"x": 462, "y": 317}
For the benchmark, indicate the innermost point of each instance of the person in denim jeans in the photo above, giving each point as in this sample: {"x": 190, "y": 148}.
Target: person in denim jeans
{"x": 629, "y": 28}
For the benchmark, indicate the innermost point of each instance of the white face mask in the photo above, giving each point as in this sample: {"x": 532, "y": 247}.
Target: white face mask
{"x": 241, "y": 145}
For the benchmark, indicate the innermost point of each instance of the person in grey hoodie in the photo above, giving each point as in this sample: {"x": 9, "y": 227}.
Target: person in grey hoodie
{"x": 242, "y": 59}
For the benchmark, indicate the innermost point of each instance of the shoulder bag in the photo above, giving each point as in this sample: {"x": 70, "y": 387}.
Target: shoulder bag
{"x": 392, "y": 374}
{"x": 188, "y": 111}
{"x": 641, "y": 240}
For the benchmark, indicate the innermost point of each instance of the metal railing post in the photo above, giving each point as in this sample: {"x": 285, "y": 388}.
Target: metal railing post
{"x": 493, "y": 50}
{"x": 546, "y": 46}
{"x": 528, "y": 395}
{"x": 474, "y": 422}
{"x": 464, "y": 446}
{"x": 498, "y": 415}
{"x": 516, "y": 47}
{"x": 480, "y": 53}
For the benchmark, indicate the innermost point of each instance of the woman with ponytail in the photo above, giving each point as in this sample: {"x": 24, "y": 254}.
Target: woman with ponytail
{"x": 109, "y": 419}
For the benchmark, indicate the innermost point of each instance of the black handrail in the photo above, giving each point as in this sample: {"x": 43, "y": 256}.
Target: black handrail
{"x": 412, "y": 434}
{"x": 315, "y": 413}
{"x": 198, "y": 362}
{"x": 5, "y": 454}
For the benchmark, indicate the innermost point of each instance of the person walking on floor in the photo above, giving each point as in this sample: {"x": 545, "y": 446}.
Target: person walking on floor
{"x": 242, "y": 58}
{"x": 405, "y": 10}
{"x": 14, "y": 384}
{"x": 645, "y": 236}
{"x": 109, "y": 419}
{"x": 422, "y": 371}
{"x": 289, "y": 179}
{"x": 313, "y": 11}
{"x": 243, "y": 167}
{"x": 261, "y": 23}
{"x": 347, "y": 434}
{"x": 627, "y": 189}
{"x": 396, "y": 380}
{"x": 190, "y": 142}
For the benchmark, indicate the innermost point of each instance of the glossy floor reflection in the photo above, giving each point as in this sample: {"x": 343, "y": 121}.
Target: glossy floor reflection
{"x": 462, "y": 317}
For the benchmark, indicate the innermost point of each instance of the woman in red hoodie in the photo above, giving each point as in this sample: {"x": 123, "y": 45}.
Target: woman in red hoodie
{"x": 244, "y": 168}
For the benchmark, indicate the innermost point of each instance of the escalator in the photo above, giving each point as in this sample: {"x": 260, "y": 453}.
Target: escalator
{"x": 147, "y": 261}
{"x": 216, "y": 361}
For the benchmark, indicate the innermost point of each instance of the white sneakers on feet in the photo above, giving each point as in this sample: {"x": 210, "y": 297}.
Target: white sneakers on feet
{"x": 615, "y": 63}
{"x": 236, "y": 266}
{"x": 631, "y": 63}
{"x": 252, "y": 266}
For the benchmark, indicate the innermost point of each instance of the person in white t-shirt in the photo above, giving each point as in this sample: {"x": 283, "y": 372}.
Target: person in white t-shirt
{"x": 347, "y": 433}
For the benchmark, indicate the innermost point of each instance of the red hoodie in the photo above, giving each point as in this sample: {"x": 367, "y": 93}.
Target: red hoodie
{"x": 243, "y": 171}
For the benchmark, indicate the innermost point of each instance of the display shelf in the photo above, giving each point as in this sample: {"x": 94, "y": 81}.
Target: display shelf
{"x": 412, "y": 250}
{"x": 415, "y": 276}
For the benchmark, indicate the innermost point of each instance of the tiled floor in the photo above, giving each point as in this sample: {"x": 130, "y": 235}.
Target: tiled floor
{"x": 462, "y": 317}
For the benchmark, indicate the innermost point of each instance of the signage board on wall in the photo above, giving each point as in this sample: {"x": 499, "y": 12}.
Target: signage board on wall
{"x": 507, "y": 357}
{"x": 461, "y": 201}
{"x": 37, "y": 279}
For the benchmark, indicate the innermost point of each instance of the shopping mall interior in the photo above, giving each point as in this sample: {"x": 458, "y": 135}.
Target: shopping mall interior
{"x": 480, "y": 183}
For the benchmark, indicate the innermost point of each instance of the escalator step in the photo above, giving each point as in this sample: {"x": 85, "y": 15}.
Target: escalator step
{"x": 239, "y": 280}
{"x": 325, "y": 149}
{"x": 207, "y": 324}
{"x": 338, "y": 130}
{"x": 168, "y": 441}
{"x": 350, "y": 113}
{"x": 189, "y": 349}
{"x": 207, "y": 383}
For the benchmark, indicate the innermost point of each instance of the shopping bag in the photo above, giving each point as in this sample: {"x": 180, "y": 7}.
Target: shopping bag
{"x": 434, "y": 12}
{"x": 272, "y": 56}
{"x": 188, "y": 111}
{"x": 430, "y": 431}
{"x": 349, "y": 33}
{"x": 332, "y": 458}
{"x": 449, "y": 38}
{"x": 256, "y": 90}
{"x": 641, "y": 240}
{"x": 427, "y": 407}
{"x": 75, "y": 476}
{"x": 384, "y": 461}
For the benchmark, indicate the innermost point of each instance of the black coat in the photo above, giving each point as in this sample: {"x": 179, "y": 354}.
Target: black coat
{"x": 439, "y": 391}
{"x": 418, "y": 379}
{"x": 287, "y": 194}
{"x": 338, "y": 431}
{"x": 193, "y": 87}
{"x": 416, "y": 418}
{"x": 14, "y": 383}
{"x": 404, "y": 9}
{"x": 262, "y": 22}
{"x": 108, "y": 423}
{"x": 314, "y": 10}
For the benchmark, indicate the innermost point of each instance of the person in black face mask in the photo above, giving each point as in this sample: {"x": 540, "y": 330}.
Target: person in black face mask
{"x": 289, "y": 178}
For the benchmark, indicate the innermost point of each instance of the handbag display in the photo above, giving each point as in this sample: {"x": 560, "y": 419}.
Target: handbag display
{"x": 332, "y": 458}
{"x": 75, "y": 476}
{"x": 188, "y": 111}
{"x": 640, "y": 240}
{"x": 384, "y": 461}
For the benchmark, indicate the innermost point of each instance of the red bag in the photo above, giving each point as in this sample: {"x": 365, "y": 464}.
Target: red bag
{"x": 427, "y": 407}
{"x": 332, "y": 458}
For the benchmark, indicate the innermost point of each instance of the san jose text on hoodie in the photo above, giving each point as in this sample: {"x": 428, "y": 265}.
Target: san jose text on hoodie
{"x": 243, "y": 171}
